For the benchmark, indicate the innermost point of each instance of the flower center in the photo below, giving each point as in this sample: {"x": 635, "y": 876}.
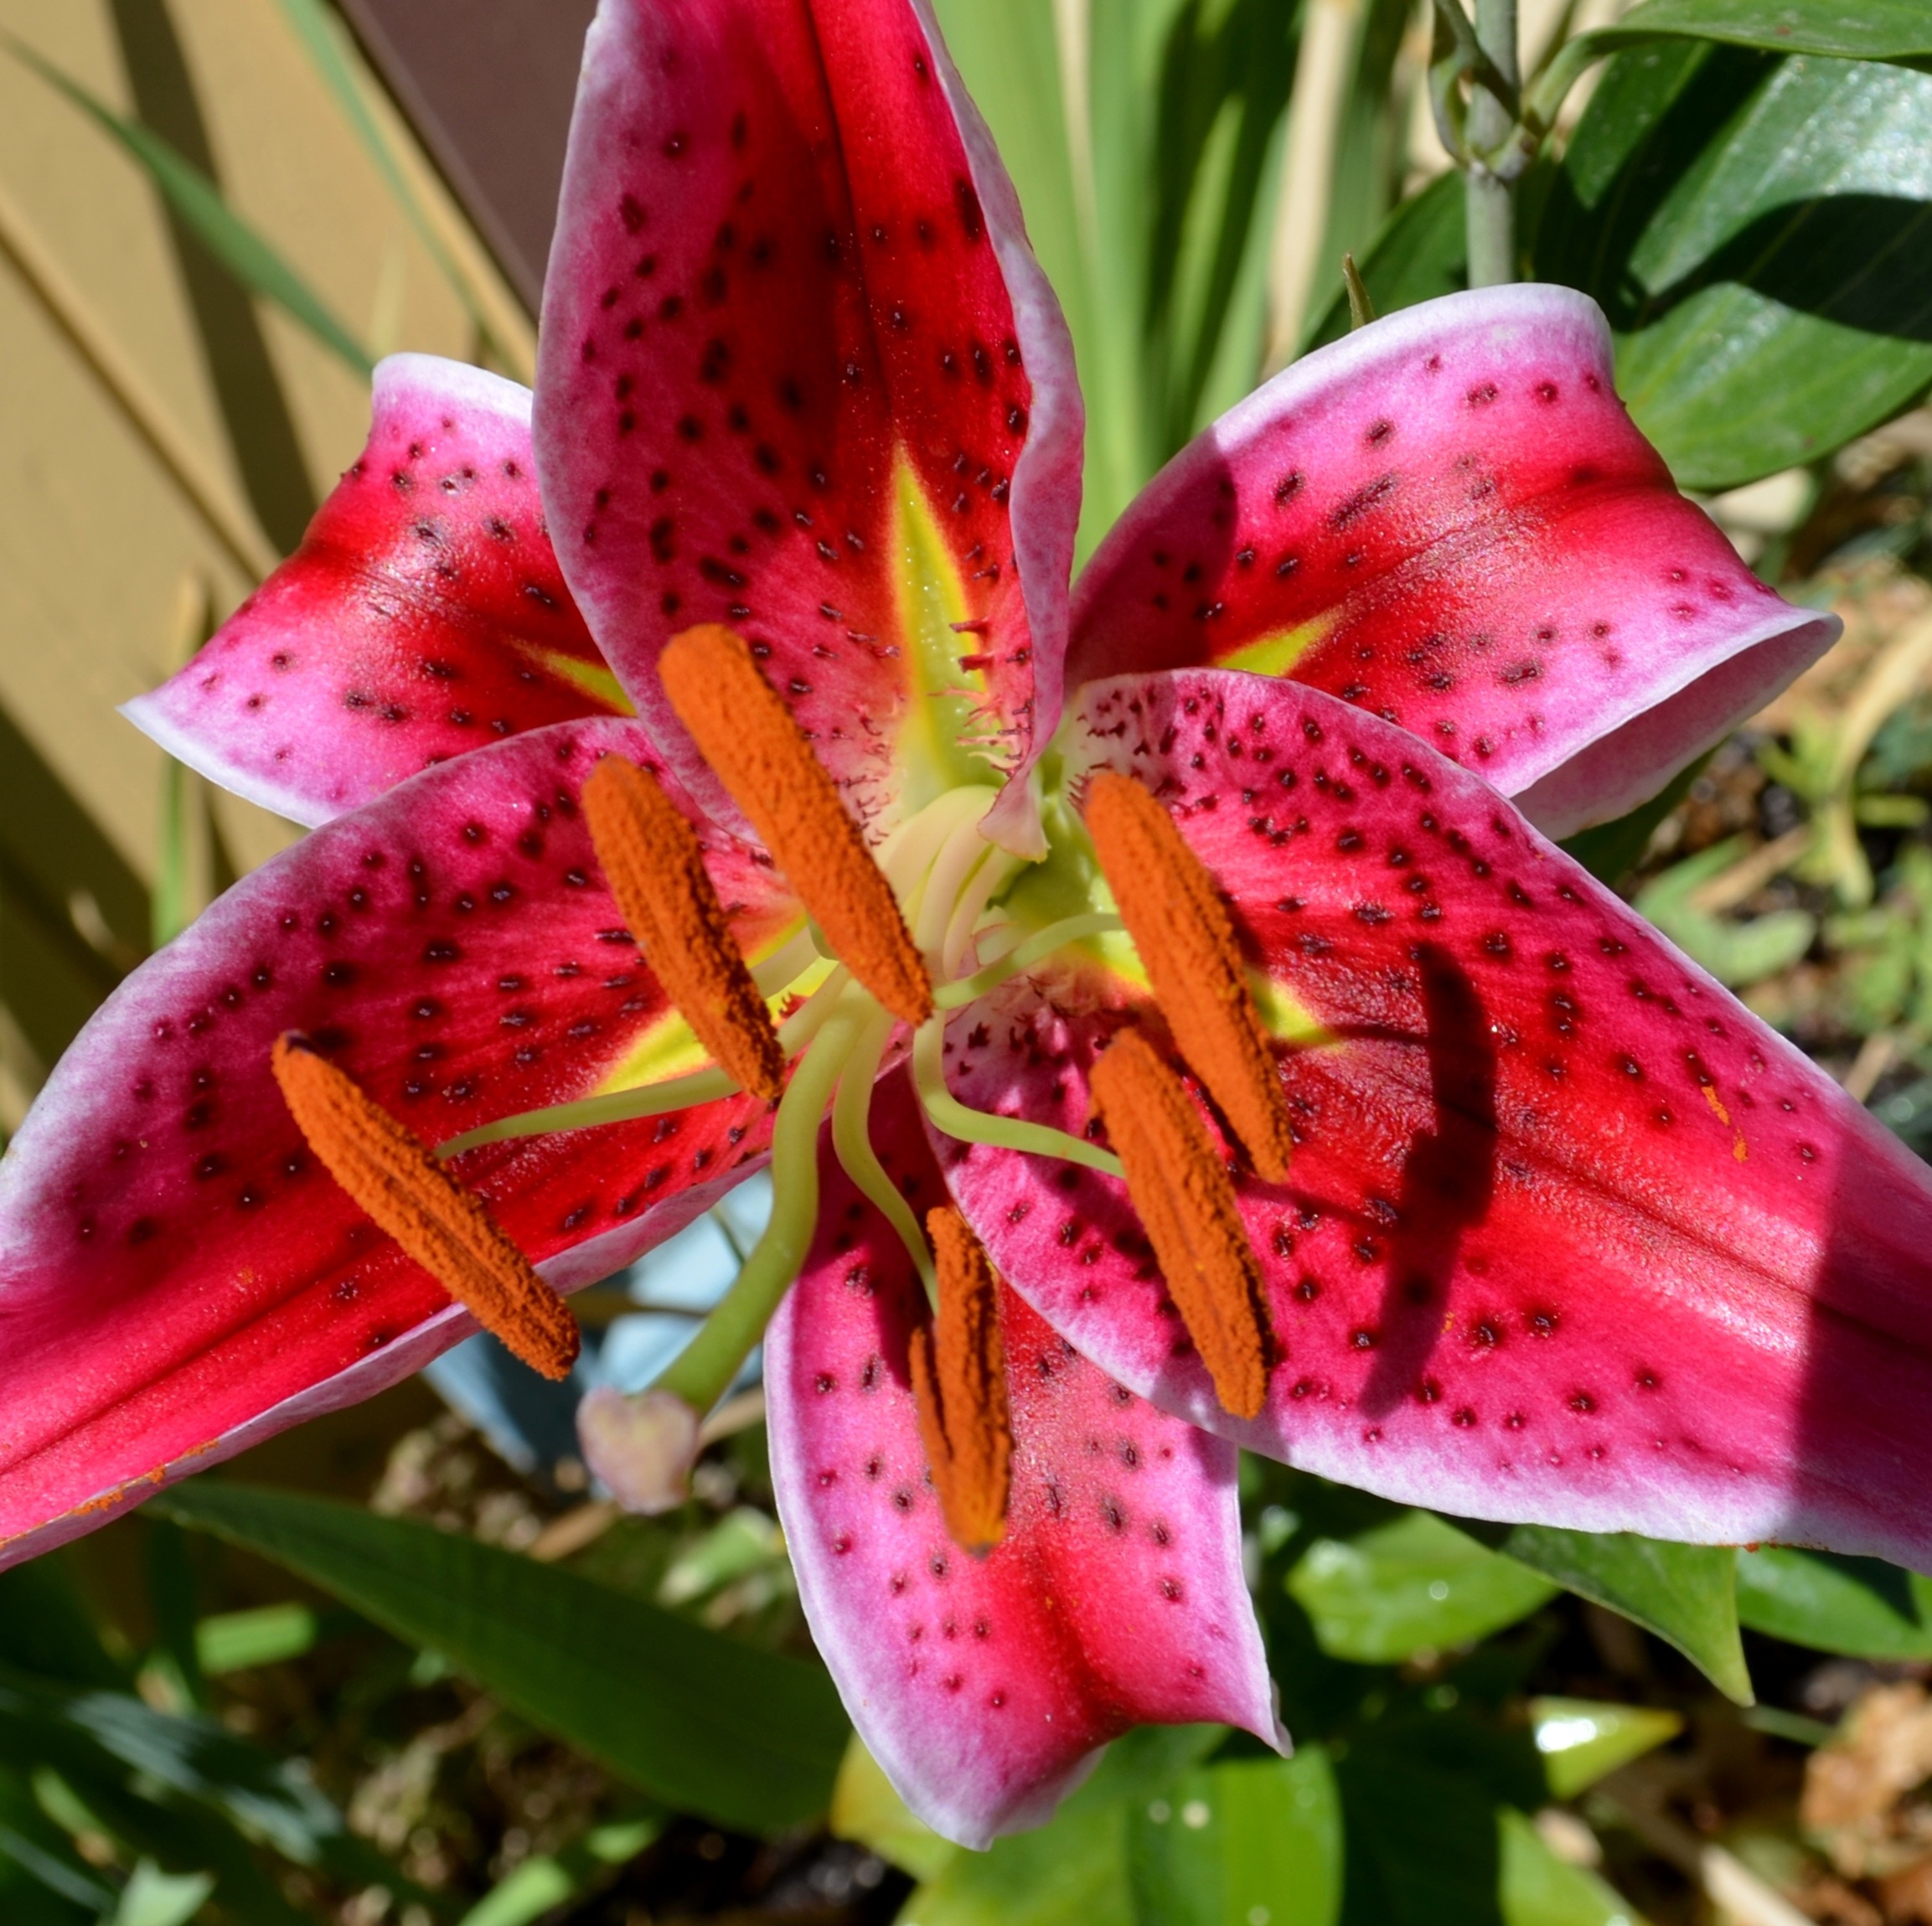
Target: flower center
{"x": 892, "y": 924}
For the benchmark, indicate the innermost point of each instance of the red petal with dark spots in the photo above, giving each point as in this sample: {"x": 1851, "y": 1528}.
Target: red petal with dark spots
{"x": 178, "y": 1274}
{"x": 1569, "y": 1236}
{"x": 800, "y": 374}
{"x": 1116, "y": 1598}
{"x": 424, "y": 614}
{"x": 1449, "y": 519}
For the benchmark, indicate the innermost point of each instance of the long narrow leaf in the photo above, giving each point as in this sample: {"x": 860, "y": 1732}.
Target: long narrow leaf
{"x": 316, "y": 28}
{"x": 197, "y": 201}
{"x": 704, "y": 1722}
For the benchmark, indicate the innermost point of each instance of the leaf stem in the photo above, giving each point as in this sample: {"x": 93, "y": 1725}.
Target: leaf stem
{"x": 1490, "y": 202}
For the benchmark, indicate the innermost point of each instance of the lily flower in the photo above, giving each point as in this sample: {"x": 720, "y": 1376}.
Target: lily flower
{"x": 1211, "y": 1054}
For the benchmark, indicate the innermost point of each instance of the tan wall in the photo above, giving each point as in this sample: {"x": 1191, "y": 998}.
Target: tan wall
{"x": 98, "y": 541}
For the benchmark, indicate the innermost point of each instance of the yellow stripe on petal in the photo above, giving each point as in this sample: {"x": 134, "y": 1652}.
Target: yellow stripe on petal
{"x": 941, "y": 699}
{"x": 670, "y": 1048}
{"x": 1284, "y": 1016}
{"x": 1278, "y": 654}
{"x": 592, "y": 677}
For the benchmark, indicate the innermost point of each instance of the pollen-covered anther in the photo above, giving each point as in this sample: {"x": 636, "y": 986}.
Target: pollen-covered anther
{"x": 743, "y": 729}
{"x": 392, "y": 1174}
{"x": 1186, "y": 1199}
{"x": 959, "y": 1390}
{"x": 1186, "y": 939}
{"x": 655, "y": 866}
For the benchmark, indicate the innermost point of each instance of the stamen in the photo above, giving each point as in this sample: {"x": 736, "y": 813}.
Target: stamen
{"x": 1181, "y": 928}
{"x": 972, "y": 1126}
{"x": 745, "y": 732}
{"x": 391, "y": 1174}
{"x": 655, "y": 866}
{"x": 1181, "y": 1189}
{"x": 959, "y": 1390}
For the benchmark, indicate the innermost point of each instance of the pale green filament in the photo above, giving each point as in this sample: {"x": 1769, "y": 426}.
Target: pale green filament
{"x": 613, "y": 1106}
{"x": 787, "y": 963}
{"x": 702, "y": 1372}
{"x": 852, "y": 1139}
{"x": 651, "y": 1099}
{"x": 1023, "y": 956}
{"x": 973, "y": 1126}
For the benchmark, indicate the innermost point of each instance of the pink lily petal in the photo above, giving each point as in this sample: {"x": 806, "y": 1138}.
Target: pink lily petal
{"x": 1570, "y": 1235}
{"x": 1450, "y": 519}
{"x": 984, "y": 1686}
{"x": 424, "y": 614}
{"x": 790, "y": 291}
{"x": 179, "y": 1276}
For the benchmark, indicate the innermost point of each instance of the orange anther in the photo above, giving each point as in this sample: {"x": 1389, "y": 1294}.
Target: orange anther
{"x": 446, "y": 1229}
{"x": 744, "y": 730}
{"x": 655, "y": 867}
{"x": 1182, "y": 930}
{"x": 1182, "y": 1191}
{"x": 959, "y": 1390}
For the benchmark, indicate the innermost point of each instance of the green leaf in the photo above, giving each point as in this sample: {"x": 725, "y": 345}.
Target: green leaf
{"x": 264, "y": 1635}
{"x": 1413, "y": 1584}
{"x": 866, "y": 1807}
{"x": 46, "y": 1628}
{"x": 193, "y": 1756}
{"x": 1735, "y": 953}
{"x": 1420, "y": 252}
{"x": 35, "y": 1853}
{"x": 1422, "y": 1848}
{"x": 1687, "y": 1594}
{"x": 705, "y": 1723}
{"x": 1609, "y": 850}
{"x": 1860, "y": 1607}
{"x": 1248, "y": 1840}
{"x": 1539, "y": 1889}
{"x": 1581, "y": 1740}
{"x": 1849, "y": 29}
{"x": 1760, "y": 232}
{"x": 1073, "y": 1869}
{"x": 152, "y": 1897}
{"x": 542, "y": 1884}
{"x": 197, "y": 201}
{"x": 1143, "y": 139}
{"x": 320, "y": 32}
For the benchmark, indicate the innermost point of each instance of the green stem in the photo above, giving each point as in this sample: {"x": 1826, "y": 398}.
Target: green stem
{"x": 1489, "y": 200}
{"x": 1023, "y": 956}
{"x": 702, "y": 1372}
{"x": 972, "y": 1126}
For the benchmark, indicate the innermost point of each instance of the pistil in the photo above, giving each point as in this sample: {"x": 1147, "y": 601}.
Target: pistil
{"x": 1186, "y": 939}
{"x": 394, "y": 1177}
{"x": 746, "y": 734}
{"x": 655, "y": 866}
{"x": 1186, "y": 1203}
{"x": 702, "y": 1372}
{"x": 958, "y": 1370}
